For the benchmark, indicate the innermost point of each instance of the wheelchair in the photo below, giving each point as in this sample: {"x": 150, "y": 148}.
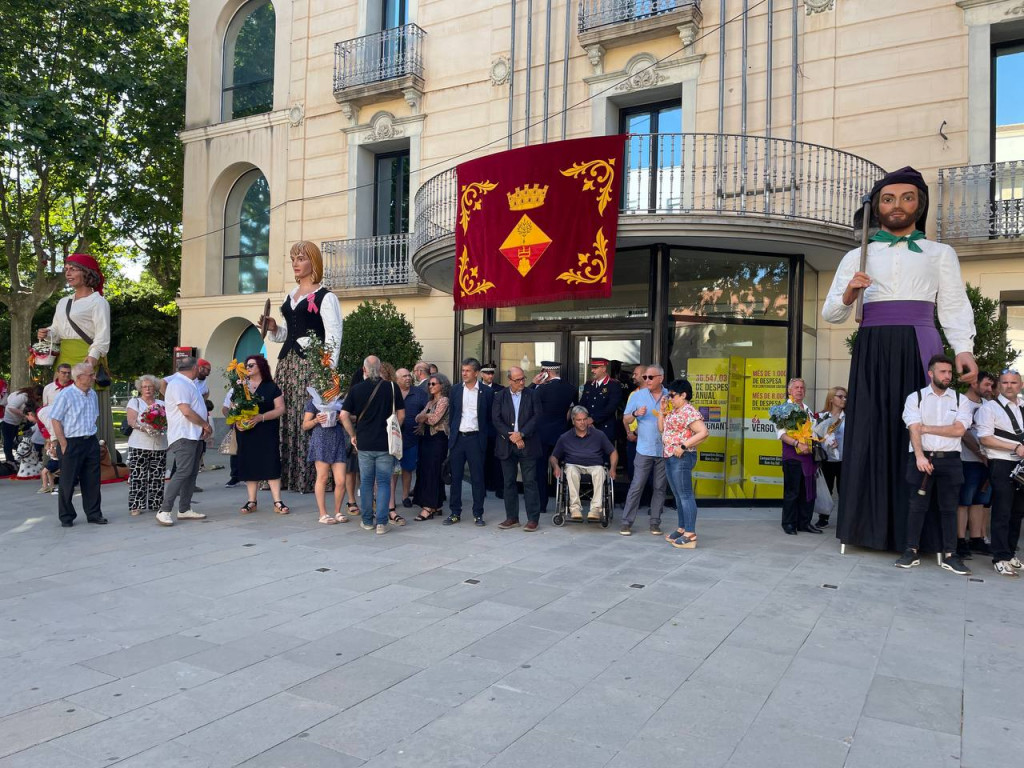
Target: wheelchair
{"x": 561, "y": 515}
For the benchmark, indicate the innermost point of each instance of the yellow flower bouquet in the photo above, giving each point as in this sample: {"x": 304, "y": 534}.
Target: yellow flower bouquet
{"x": 245, "y": 405}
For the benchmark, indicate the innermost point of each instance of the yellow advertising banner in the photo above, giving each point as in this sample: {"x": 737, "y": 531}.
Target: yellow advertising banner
{"x": 734, "y": 430}
{"x": 764, "y": 386}
{"x": 710, "y": 380}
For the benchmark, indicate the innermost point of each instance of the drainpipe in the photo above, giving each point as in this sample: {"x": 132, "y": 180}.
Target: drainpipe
{"x": 565, "y": 66}
{"x": 743, "y": 110}
{"x": 512, "y": 71}
{"x": 794, "y": 71}
{"x": 547, "y": 68}
{"x": 529, "y": 66}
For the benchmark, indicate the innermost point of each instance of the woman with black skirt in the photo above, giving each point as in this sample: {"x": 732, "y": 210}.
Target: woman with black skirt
{"x": 259, "y": 439}
{"x": 433, "y": 427}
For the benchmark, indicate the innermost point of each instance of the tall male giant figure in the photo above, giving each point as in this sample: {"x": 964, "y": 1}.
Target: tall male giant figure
{"x": 906, "y": 280}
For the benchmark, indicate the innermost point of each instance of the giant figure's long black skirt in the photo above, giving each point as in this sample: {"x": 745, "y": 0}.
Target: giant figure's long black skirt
{"x": 886, "y": 367}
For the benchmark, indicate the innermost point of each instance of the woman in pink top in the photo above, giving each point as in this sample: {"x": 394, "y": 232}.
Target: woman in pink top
{"x": 682, "y": 430}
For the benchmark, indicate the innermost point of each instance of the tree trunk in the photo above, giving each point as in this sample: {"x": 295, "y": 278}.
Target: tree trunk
{"x": 22, "y": 309}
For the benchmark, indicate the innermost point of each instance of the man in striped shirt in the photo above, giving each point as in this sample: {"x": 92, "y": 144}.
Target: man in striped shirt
{"x": 74, "y": 414}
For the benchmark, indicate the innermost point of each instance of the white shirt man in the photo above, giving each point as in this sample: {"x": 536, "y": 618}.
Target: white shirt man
{"x": 187, "y": 428}
{"x": 1000, "y": 427}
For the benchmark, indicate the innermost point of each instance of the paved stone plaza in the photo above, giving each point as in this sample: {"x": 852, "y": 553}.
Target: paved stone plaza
{"x": 270, "y": 641}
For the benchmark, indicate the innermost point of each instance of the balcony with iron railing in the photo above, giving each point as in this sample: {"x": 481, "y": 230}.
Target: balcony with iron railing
{"x": 606, "y": 24}
{"x": 689, "y": 183}
{"x": 370, "y": 265}
{"x": 979, "y": 203}
{"x": 380, "y": 66}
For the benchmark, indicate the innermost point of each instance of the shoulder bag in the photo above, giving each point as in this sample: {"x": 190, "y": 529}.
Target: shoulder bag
{"x": 103, "y": 380}
{"x": 394, "y": 429}
{"x": 126, "y": 428}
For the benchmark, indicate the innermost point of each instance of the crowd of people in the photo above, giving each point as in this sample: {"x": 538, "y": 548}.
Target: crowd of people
{"x": 938, "y": 477}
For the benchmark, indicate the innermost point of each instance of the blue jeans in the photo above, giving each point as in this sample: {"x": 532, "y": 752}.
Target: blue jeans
{"x": 679, "y": 479}
{"x": 375, "y": 465}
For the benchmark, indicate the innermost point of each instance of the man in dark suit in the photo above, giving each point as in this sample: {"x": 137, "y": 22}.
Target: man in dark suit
{"x": 555, "y": 396}
{"x": 470, "y": 407}
{"x": 601, "y": 397}
{"x": 517, "y": 446}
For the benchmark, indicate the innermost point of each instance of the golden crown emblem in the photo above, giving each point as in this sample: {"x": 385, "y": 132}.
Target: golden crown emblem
{"x": 526, "y": 197}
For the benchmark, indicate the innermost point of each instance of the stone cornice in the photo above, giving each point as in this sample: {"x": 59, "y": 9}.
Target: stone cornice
{"x": 251, "y": 123}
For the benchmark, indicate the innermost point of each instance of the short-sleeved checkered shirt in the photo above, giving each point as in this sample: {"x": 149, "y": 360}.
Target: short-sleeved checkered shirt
{"x": 77, "y": 411}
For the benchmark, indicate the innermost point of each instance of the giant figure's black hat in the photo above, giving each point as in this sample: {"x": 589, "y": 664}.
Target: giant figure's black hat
{"x": 905, "y": 175}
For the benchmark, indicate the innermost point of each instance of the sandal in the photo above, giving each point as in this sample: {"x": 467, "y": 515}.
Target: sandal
{"x": 395, "y": 518}
{"x": 340, "y": 518}
{"x": 671, "y": 538}
{"x": 327, "y": 520}
{"x": 426, "y": 514}
{"x": 686, "y": 541}
{"x": 353, "y": 508}
{"x": 281, "y": 508}
{"x": 136, "y": 512}
{"x": 248, "y": 508}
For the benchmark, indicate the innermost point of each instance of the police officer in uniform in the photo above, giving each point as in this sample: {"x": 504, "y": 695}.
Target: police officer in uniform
{"x": 556, "y": 397}
{"x": 601, "y": 397}
{"x": 492, "y": 466}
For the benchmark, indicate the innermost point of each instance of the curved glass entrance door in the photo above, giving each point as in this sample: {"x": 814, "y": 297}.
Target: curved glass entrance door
{"x": 526, "y": 350}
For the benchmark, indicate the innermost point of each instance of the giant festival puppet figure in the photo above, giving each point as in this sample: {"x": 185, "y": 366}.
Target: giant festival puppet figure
{"x": 309, "y": 310}
{"x": 905, "y": 280}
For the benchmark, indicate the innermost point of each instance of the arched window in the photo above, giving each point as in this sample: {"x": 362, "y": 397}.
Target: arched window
{"x": 249, "y": 62}
{"x": 250, "y": 343}
{"x": 247, "y": 235}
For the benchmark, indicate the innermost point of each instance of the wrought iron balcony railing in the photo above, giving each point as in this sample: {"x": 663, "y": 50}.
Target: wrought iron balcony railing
{"x": 706, "y": 174}
{"x": 981, "y": 201}
{"x": 368, "y": 262}
{"x": 598, "y": 13}
{"x": 385, "y": 55}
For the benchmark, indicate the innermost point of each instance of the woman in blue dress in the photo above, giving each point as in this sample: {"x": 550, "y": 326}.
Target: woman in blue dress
{"x": 327, "y": 450}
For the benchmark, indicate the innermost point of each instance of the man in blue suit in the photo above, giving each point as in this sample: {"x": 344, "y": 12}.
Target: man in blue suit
{"x": 517, "y": 445}
{"x": 555, "y": 396}
{"x": 470, "y": 406}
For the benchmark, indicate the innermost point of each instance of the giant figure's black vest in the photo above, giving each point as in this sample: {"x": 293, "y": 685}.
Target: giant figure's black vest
{"x": 301, "y": 322}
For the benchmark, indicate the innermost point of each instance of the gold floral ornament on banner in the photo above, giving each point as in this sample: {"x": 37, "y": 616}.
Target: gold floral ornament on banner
{"x": 594, "y": 173}
{"x": 469, "y": 200}
{"x": 469, "y": 279}
{"x": 596, "y": 266}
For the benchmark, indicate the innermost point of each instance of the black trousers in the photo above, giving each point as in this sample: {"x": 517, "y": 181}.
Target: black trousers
{"x": 528, "y": 466}
{"x": 234, "y": 467}
{"x": 468, "y": 449}
{"x": 10, "y": 432}
{"x": 944, "y": 486}
{"x": 832, "y": 471}
{"x": 796, "y": 509}
{"x": 541, "y": 473}
{"x": 81, "y": 464}
{"x": 1007, "y": 510}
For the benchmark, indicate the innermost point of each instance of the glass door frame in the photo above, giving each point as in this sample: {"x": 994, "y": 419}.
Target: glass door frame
{"x": 646, "y": 337}
{"x": 497, "y": 338}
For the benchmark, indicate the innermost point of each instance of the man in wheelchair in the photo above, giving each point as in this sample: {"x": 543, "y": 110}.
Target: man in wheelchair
{"x": 584, "y": 450}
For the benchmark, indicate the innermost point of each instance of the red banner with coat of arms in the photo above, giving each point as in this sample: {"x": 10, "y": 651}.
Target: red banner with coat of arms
{"x": 538, "y": 224}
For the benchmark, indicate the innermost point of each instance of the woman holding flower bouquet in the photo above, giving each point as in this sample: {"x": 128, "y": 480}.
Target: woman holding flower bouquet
{"x": 259, "y": 436}
{"x": 309, "y": 311}
{"x": 793, "y": 425}
{"x": 147, "y": 446}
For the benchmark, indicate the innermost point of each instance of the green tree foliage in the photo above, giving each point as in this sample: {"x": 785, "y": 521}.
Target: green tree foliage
{"x": 991, "y": 349}
{"x": 146, "y": 323}
{"x": 91, "y": 93}
{"x": 377, "y": 329}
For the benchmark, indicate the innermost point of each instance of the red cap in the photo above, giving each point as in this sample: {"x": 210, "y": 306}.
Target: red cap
{"x": 201, "y": 361}
{"x": 87, "y": 261}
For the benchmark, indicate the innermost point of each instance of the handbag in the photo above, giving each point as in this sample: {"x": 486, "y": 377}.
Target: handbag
{"x": 126, "y": 428}
{"x": 103, "y": 380}
{"x": 822, "y": 496}
{"x": 394, "y": 429}
{"x": 229, "y": 445}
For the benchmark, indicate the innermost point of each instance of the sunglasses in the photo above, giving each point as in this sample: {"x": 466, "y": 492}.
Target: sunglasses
{"x": 655, "y": 376}
{"x": 433, "y": 384}
{"x": 1010, "y": 370}
{"x": 251, "y": 365}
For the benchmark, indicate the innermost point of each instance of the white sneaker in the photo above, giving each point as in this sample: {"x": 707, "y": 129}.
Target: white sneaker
{"x": 1015, "y": 562}
{"x": 191, "y": 515}
{"x": 575, "y": 515}
{"x": 598, "y": 515}
{"x": 364, "y": 526}
{"x": 164, "y": 518}
{"x": 381, "y": 530}
{"x": 1003, "y": 568}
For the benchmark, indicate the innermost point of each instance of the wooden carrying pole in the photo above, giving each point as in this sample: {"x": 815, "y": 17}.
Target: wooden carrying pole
{"x": 865, "y": 225}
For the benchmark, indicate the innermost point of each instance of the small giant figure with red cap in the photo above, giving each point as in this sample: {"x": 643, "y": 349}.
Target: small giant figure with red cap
{"x": 81, "y": 325}
{"x": 906, "y": 280}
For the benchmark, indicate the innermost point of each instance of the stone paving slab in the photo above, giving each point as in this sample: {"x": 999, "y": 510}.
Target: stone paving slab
{"x": 271, "y": 642}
